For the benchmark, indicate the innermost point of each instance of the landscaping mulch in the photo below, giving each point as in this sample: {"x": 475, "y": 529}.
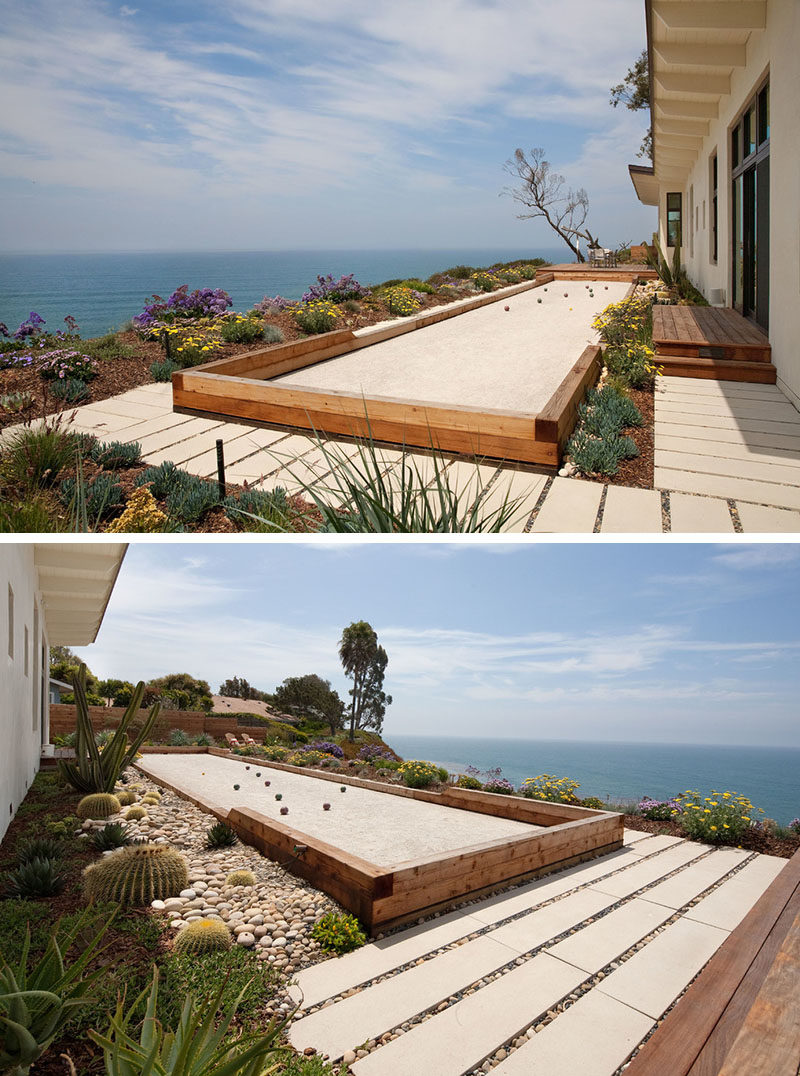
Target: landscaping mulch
{"x": 755, "y": 840}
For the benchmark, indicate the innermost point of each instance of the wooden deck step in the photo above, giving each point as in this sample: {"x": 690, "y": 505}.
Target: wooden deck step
{"x": 763, "y": 373}
{"x": 705, "y": 332}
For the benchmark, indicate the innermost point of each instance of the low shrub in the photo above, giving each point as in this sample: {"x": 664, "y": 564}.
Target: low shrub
{"x": 275, "y": 753}
{"x": 163, "y": 369}
{"x": 594, "y": 803}
{"x": 183, "y": 305}
{"x": 390, "y": 764}
{"x": 178, "y": 738}
{"x": 721, "y": 818}
{"x": 70, "y": 390}
{"x": 595, "y": 456}
{"x": 141, "y": 515}
{"x": 327, "y": 747}
{"x": 633, "y": 363}
{"x": 419, "y": 774}
{"x": 466, "y": 781}
{"x": 195, "y": 349}
{"x": 319, "y": 316}
{"x": 401, "y": 300}
{"x": 499, "y": 785}
{"x": 65, "y": 364}
{"x": 794, "y": 825}
{"x": 337, "y": 291}
{"x": 547, "y": 787}
{"x": 338, "y": 932}
{"x": 484, "y": 281}
{"x": 371, "y": 751}
{"x": 658, "y": 810}
{"x": 108, "y": 347}
{"x": 597, "y": 445}
{"x": 239, "y": 329}
{"x": 259, "y": 510}
{"x": 99, "y": 497}
{"x": 271, "y": 334}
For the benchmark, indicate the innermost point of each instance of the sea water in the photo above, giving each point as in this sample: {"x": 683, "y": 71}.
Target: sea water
{"x": 104, "y": 291}
{"x": 623, "y": 772}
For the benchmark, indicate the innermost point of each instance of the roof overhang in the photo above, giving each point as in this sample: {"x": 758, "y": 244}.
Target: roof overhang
{"x": 75, "y": 581}
{"x": 693, "y": 47}
{"x": 645, "y": 183}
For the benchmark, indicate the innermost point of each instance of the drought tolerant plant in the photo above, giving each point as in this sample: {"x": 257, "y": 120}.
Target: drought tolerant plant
{"x": 484, "y": 281}
{"x": 794, "y": 825}
{"x": 338, "y": 932}
{"x": 419, "y": 774}
{"x": 137, "y": 875}
{"x": 371, "y": 751}
{"x": 658, "y": 810}
{"x": 203, "y": 936}
{"x": 221, "y": 835}
{"x": 34, "y": 457}
{"x": 163, "y": 369}
{"x": 65, "y": 364}
{"x": 183, "y": 305}
{"x": 337, "y": 291}
{"x": 135, "y": 813}
{"x": 318, "y": 316}
{"x": 126, "y": 797}
{"x": 597, "y": 446}
{"x": 202, "y": 1044}
{"x": 39, "y": 848}
{"x": 95, "y": 771}
{"x": 108, "y": 347}
{"x": 178, "y": 738}
{"x": 97, "y": 498}
{"x": 98, "y": 805}
{"x": 141, "y": 516}
{"x": 114, "y": 835}
{"x": 547, "y": 787}
{"x": 402, "y": 301}
{"x": 14, "y": 403}
{"x": 721, "y": 818}
{"x": 326, "y": 747}
{"x": 239, "y": 329}
{"x": 258, "y": 509}
{"x": 36, "y": 1003}
{"x": 37, "y": 877}
{"x": 70, "y": 390}
{"x": 240, "y": 877}
{"x": 116, "y": 455}
{"x": 363, "y": 495}
{"x": 465, "y": 780}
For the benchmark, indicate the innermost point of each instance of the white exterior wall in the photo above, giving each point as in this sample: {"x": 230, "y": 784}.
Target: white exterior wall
{"x": 24, "y": 682}
{"x": 774, "y": 51}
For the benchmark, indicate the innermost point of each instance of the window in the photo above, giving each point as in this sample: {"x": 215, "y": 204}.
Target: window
{"x": 25, "y": 653}
{"x": 691, "y": 221}
{"x": 10, "y": 622}
{"x": 749, "y": 186}
{"x": 713, "y": 204}
{"x": 674, "y": 202}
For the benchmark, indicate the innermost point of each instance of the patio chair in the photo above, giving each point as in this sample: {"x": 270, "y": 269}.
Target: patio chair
{"x": 231, "y": 740}
{"x": 248, "y": 739}
{"x": 596, "y": 256}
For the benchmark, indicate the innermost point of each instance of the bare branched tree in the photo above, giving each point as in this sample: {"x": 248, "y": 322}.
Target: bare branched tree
{"x": 541, "y": 193}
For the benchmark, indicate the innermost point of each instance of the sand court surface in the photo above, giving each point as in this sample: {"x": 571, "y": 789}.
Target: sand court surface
{"x": 489, "y": 357}
{"x": 384, "y": 829}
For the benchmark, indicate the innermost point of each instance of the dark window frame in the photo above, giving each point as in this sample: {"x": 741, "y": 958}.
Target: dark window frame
{"x": 677, "y": 217}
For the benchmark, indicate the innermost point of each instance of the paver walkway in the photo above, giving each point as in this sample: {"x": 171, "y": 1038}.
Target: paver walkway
{"x": 727, "y": 458}
{"x": 562, "y": 975}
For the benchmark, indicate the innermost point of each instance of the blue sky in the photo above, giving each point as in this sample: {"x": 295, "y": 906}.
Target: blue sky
{"x": 684, "y": 643}
{"x": 278, "y": 124}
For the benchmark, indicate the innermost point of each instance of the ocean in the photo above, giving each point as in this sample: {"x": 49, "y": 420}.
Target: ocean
{"x": 622, "y": 772}
{"x": 104, "y": 291}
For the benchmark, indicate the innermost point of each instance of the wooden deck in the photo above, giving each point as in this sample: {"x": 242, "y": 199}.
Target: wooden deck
{"x": 741, "y": 1016}
{"x": 630, "y": 273}
{"x": 705, "y": 341}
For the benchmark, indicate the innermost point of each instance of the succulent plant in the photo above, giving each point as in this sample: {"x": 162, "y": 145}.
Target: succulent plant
{"x": 135, "y": 813}
{"x": 37, "y": 877}
{"x": 39, "y": 848}
{"x": 203, "y": 936}
{"x": 284, "y": 810}
{"x": 113, "y": 835}
{"x": 241, "y": 877}
{"x": 151, "y": 801}
{"x": 220, "y": 835}
{"x": 98, "y": 805}
{"x": 138, "y": 875}
{"x": 126, "y": 797}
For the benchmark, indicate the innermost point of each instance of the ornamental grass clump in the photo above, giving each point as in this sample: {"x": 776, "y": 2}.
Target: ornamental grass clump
{"x": 550, "y": 788}
{"x": 419, "y": 774}
{"x": 721, "y": 818}
{"x": 338, "y": 932}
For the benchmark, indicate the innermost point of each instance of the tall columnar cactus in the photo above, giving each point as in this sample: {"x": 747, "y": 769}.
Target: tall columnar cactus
{"x": 137, "y": 875}
{"x": 98, "y": 805}
{"x": 203, "y": 936}
{"x": 98, "y": 771}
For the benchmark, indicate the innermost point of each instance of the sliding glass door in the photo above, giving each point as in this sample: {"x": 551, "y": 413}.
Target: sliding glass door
{"x": 750, "y": 209}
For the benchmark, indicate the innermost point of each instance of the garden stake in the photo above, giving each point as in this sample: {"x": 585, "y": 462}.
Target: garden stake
{"x": 221, "y": 474}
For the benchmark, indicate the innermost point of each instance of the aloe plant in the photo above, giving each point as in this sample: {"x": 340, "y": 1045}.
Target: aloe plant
{"x": 98, "y": 771}
{"x": 35, "y": 1004}
{"x": 203, "y": 1044}
{"x": 673, "y": 276}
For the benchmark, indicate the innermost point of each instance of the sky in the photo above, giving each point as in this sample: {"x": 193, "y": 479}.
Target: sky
{"x": 296, "y": 124}
{"x": 686, "y": 643}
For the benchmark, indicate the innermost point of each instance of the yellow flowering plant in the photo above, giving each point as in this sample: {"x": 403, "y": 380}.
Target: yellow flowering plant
{"x": 318, "y": 316}
{"x": 550, "y": 788}
{"x": 401, "y": 301}
{"x": 419, "y": 774}
{"x": 721, "y": 818}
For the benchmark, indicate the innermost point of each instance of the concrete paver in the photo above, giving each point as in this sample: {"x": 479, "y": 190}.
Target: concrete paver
{"x": 679, "y": 890}
{"x": 603, "y": 941}
{"x": 652, "y": 979}
{"x": 593, "y": 1037}
{"x": 730, "y": 903}
{"x": 699, "y": 515}
{"x": 346, "y": 1024}
{"x": 758, "y": 519}
{"x": 459, "y": 1038}
{"x": 540, "y": 925}
{"x": 629, "y": 511}
{"x": 519, "y": 488}
{"x": 729, "y": 487}
{"x": 571, "y": 507}
{"x": 769, "y": 472}
{"x": 628, "y": 881}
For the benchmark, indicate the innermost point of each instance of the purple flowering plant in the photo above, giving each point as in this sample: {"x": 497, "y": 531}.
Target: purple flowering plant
{"x": 183, "y": 305}
{"x": 659, "y": 810}
{"x": 66, "y": 364}
{"x": 337, "y": 291}
{"x": 275, "y": 304}
{"x": 372, "y": 751}
{"x": 30, "y": 328}
{"x": 326, "y": 747}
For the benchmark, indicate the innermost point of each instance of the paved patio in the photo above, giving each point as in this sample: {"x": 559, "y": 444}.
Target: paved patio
{"x": 562, "y": 975}
{"x": 727, "y": 459}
